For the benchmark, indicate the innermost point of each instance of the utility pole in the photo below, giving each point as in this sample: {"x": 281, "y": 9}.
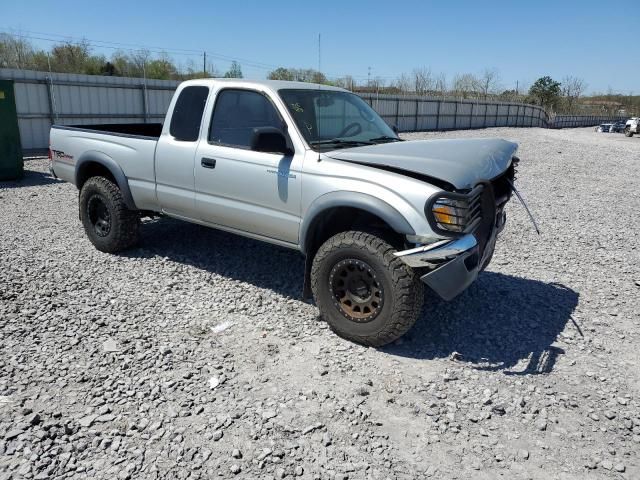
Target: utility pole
{"x": 319, "y": 57}
{"x": 369, "y": 77}
{"x": 204, "y": 64}
{"x": 516, "y": 88}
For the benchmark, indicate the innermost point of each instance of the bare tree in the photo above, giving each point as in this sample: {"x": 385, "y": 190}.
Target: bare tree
{"x": 403, "y": 83}
{"x": 139, "y": 59}
{"x": 522, "y": 87}
{"x": 349, "y": 82}
{"x": 440, "y": 86}
{"x": 422, "y": 80}
{"x": 378, "y": 83}
{"x": 488, "y": 82}
{"x": 572, "y": 90}
{"x": 465, "y": 85}
{"x": 346, "y": 82}
{"x": 14, "y": 52}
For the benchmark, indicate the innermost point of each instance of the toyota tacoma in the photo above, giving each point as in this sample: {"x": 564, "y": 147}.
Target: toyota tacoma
{"x": 309, "y": 167}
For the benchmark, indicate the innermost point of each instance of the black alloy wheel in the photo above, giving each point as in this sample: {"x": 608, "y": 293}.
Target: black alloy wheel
{"x": 357, "y": 293}
{"x": 99, "y": 215}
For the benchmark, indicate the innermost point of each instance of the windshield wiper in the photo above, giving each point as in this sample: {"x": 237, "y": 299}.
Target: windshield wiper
{"x": 339, "y": 141}
{"x": 385, "y": 138}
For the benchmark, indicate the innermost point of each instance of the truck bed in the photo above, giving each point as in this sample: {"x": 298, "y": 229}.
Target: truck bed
{"x": 129, "y": 147}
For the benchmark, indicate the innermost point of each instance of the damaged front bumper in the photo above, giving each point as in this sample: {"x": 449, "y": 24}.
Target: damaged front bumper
{"x": 454, "y": 264}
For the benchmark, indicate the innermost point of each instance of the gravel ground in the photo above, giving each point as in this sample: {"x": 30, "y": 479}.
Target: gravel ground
{"x": 193, "y": 357}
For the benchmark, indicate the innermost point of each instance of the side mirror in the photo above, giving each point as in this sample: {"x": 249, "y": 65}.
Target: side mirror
{"x": 395, "y": 129}
{"x": 270, "y": 140}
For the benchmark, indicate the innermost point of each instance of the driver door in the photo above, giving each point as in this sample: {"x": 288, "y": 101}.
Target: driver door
{"x": 240, "y": 189}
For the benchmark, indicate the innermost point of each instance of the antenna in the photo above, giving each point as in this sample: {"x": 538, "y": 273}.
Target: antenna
{"x": 319, "y": 73}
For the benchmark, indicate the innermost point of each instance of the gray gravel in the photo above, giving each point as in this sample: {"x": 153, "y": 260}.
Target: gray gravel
{"x": 193, "y": 357}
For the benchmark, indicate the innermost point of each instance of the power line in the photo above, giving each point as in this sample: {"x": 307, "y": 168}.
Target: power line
{"x": 135, "y": 47}
{"x": 99, "y": 45}
{"x": 62, "y": 37}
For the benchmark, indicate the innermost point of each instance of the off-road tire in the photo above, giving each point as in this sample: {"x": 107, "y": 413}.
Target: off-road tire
{"x": 403, "y": 290}
{"x": 628, "y": 132}
{"x": 124, "y": 228}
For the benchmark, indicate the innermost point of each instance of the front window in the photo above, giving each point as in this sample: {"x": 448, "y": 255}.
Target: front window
{"x": 235, "y": 115}
{"x": 330, "y": 119}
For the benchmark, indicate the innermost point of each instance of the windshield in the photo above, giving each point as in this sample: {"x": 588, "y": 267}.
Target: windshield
{"x": 330, "y": 119}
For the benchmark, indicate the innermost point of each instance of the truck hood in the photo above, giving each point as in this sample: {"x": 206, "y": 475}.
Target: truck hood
{"x": 460, "y": 162}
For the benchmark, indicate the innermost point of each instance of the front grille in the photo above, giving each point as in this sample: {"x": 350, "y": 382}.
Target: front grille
{"x": 502, "y": 184}
{"x": 485, "y": 227}
{"x": 473, "y": 211}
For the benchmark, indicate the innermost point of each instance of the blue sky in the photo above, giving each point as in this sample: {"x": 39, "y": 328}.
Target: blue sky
{"x": 595, "y": 40}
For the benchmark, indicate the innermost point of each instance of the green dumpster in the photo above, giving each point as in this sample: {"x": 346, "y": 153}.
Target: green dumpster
{"x": 11, "y": 165}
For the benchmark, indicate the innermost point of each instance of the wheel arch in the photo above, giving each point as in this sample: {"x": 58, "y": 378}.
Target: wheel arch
{"x": 93, "y": 163}
{"x": 331, "y": 203}
{"x": 336, "y": 212}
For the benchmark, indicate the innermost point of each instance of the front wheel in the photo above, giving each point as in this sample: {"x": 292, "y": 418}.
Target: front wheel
{"x": 365, "y": 293}
{"x": 628, "y": 132}
{"x": 107, "y": 221}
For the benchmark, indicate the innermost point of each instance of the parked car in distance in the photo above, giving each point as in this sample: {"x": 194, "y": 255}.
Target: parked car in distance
{"x": 309, "y": 167}
{"x": 632, "y": 126}
{"x": 618, "y": 127}
{"x": 604, "y": 127}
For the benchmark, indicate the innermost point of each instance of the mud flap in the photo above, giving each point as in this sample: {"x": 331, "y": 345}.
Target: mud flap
{"x": 307, "y": 294}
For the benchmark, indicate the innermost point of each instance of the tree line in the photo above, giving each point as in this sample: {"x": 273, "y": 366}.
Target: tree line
{"x": 77, "y": 57}
{"x": 565, "y": 96}
{"x": 554, "y": 96}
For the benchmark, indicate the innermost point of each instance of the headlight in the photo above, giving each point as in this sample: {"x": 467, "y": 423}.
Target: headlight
{"x": 450, "y": 214}
{"x": 455, "y": 213}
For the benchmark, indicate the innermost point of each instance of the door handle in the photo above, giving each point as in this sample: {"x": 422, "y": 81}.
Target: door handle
{"x": 208, "y": 162}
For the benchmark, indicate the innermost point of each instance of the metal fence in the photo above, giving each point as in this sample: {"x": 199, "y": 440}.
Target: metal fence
{"x": 572, "y": 121}
{"x": 43, "y": 99}
{"x": 415, "y": 113}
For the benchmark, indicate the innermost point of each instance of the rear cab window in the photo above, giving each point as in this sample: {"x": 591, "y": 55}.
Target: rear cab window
{"x": 187, "y": 113}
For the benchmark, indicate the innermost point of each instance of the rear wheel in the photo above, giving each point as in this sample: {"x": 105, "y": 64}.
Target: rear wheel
{"x": 363, "y": 291}
{"x": 107, "y": 221}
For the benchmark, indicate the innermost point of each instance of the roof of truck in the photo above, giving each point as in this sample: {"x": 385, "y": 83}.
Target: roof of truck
{"x": 270, "y": 84}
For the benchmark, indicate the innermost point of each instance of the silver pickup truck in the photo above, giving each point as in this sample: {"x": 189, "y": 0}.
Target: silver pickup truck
{"x": 309, "y": 167}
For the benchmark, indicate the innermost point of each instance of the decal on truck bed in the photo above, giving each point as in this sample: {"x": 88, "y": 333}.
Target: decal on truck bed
{"x": 59, "y": 154}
